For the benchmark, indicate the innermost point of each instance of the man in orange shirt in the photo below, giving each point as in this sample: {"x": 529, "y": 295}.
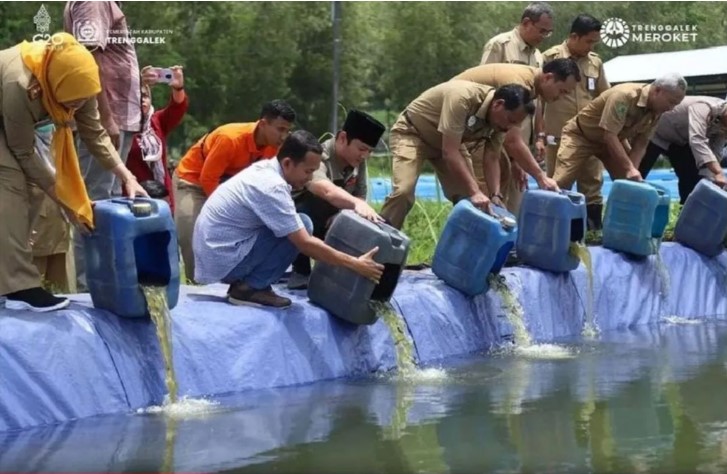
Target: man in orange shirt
{"x": 218, "y": 156}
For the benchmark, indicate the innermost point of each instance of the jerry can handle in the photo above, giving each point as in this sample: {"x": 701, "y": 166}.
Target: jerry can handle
{"x": 393, "y": 234}
{"x": 660, "y": 190}
{"x": 575, "y": 198}
{"x": 127, "y": 201}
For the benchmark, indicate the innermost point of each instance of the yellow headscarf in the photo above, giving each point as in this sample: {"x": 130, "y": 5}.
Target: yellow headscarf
{"x": 66, "y": 72}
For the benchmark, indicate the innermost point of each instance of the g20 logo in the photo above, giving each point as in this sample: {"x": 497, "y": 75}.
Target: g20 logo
{"x": 45, "y": 38}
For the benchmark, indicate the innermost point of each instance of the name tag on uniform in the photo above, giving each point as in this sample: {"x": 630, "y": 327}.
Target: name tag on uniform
{"x": 591, "y": 84}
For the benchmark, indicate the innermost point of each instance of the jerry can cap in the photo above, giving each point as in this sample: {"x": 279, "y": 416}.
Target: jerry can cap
{"x": 141, "y": 209}
{"x": 508, "y": 222}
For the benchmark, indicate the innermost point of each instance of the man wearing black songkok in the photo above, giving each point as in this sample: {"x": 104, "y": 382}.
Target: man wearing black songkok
{"x": 339, "y": 183}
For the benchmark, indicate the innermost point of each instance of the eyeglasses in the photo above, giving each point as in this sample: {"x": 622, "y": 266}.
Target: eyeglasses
{"x": 545, "y": 33}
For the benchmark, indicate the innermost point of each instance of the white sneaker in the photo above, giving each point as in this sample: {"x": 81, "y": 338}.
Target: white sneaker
{"x": 37, "y": 300}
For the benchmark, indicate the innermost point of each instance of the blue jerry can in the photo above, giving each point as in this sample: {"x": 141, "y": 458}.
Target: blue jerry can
{"x": 134, "y": 243}
{"x": 473, "y": 244}
{"x": 547, "y": 224}
{"x": 636, "y": 213}
{"x": 341, "y": 291}
{"x": 702, "y": 224}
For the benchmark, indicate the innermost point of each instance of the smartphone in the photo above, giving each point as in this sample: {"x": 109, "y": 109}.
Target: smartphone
{"x": 164, "y": 75}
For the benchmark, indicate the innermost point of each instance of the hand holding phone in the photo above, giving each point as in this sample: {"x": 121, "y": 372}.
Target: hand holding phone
{"x": 164, "y": 75}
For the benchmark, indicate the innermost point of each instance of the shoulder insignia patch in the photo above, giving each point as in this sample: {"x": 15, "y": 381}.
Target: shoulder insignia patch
{"x": 621, "y": 109}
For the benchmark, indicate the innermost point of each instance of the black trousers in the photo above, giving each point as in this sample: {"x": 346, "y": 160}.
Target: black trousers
{"x": 320, "y": 213}
{"x": 681, "y": 159}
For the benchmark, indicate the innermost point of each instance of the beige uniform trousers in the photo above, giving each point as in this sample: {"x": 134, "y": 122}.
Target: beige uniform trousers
{"x": 51, "y": 237}
{"x": 17, "y": 271}
{"x": 509, "y": 188}
{"x": 589, "y": 180}
{"x": 188, "y": 201}
{"x": 511, "y": 194}
{"x": 574, "y": 160}
{"x": 409, "y": 152}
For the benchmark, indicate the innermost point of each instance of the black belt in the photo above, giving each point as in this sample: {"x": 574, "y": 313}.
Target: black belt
{"x": 408, "y": 120}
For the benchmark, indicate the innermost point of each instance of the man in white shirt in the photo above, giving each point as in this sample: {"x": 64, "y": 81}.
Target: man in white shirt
{"x": 249, "y": 232}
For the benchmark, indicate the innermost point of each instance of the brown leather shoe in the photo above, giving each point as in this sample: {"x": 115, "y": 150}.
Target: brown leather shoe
{"x": 241, "y": 294}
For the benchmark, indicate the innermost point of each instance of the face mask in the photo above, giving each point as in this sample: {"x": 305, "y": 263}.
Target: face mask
{"x": 47, "y": 128}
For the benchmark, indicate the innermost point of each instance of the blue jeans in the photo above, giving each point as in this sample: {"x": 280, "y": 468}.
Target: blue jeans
{"x": 268, "y": 259}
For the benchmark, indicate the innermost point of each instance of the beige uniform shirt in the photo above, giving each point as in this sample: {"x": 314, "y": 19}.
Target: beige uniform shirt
{"x": 621, "y": 110}
{"x": 22, "y": 108}
{"x": 498, "y": 75}
{"x": 350, "y": 179}
{"x": 455, "y": 108}
{"x": 696, "y": 121}
{"x": 592, "y": 84}
{"x": 509, "y": 47}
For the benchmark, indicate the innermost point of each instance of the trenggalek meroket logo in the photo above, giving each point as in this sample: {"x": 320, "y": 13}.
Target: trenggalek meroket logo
{"x": 615, "y": 32}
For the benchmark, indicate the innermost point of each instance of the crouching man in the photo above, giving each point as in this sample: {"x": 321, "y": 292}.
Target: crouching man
{"x": 248, "y": 231}
{"x": 339, "y": 183}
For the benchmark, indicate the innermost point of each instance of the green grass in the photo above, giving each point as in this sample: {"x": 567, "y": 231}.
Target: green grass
{"x": 424, "y": 226}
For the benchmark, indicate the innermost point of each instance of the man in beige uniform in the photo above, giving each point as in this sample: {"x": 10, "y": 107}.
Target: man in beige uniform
{"x": 692, "y": 136}
{"x": 339, "y": 183}
{"x": 584, "y": 34}
{"x": 519, "y": 46}
{"x": 616, "y": 128}
{"x": 436, "y": 126}
{"x": 556, "y": 79}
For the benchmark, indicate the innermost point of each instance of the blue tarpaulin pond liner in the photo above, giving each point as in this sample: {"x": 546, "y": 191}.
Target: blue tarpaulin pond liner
{"x": 83, "y": 362}
{"x": 252, "y": 425}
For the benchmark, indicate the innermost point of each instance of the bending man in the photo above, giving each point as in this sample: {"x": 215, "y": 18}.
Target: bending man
{"x": 438, "y": 126}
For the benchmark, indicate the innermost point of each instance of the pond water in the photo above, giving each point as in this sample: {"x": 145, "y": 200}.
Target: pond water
{"x": 649, "y": 399}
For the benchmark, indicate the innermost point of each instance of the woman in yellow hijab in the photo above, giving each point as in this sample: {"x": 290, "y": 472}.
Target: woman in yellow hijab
{"x": 57, "y": 79}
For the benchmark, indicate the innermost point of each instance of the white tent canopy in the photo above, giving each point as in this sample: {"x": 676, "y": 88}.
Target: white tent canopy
{"x": 646, "y": 67}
